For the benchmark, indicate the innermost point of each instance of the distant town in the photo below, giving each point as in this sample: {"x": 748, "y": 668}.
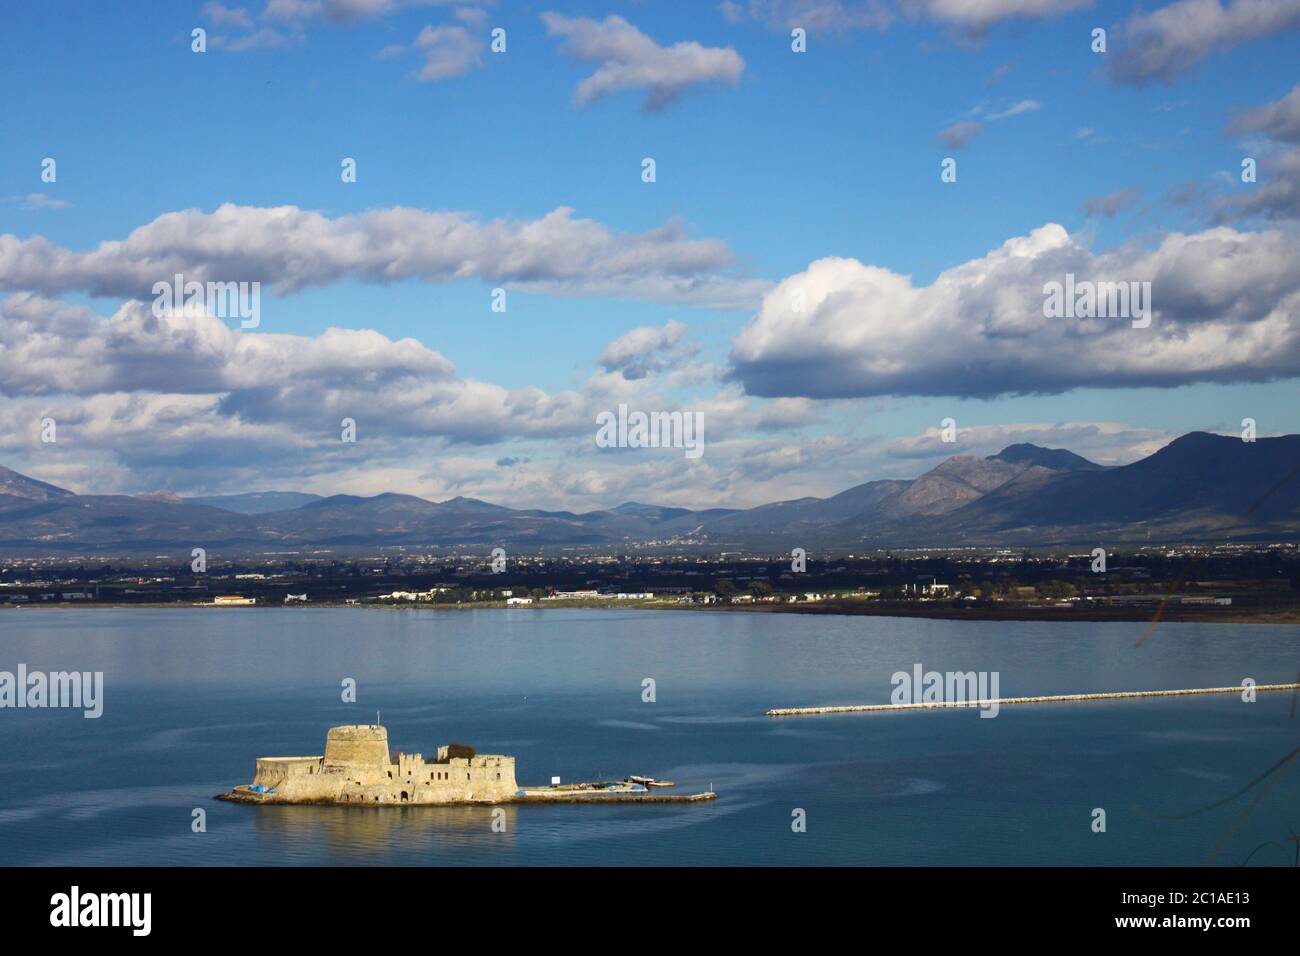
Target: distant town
{"x": 1224, "y": 582}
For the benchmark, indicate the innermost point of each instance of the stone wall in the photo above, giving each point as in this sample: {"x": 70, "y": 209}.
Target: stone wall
{"x": 277, "y": 771}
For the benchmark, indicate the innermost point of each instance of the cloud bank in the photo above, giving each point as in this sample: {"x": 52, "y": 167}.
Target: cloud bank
{"x": 1226, "y": 309}
{"x": 1164, "y": 45}
{"x": 292, "y": 249}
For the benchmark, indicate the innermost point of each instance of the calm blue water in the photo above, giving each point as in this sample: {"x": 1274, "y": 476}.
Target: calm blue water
{"x": 193, "y": 696}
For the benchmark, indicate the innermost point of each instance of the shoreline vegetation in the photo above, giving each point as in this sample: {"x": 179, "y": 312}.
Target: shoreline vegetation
{"x": 1271, "y": 613}
{"x": 1238, "y": 583}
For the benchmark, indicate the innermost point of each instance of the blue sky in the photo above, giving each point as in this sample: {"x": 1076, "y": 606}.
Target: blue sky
{"x": 830, "y": 153}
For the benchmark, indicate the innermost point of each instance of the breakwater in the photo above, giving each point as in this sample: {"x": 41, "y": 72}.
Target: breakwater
{"x": 1000, "y": 701}
{"x": 617, "y": 798}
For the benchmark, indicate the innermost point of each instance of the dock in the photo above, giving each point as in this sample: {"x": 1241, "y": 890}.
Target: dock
{"x": 615, "y": 797}
{"x": 631, "y": 790}
{"x": 1001, "y": 701}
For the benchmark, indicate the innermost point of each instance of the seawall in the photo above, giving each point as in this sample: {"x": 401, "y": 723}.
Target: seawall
{"x": 1002, "y": 701}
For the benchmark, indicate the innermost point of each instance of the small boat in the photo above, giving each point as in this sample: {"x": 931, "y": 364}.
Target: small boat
{"x": 652, "y": 782}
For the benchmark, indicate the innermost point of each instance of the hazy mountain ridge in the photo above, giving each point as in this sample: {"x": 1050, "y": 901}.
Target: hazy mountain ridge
{"x": 257, "y": 502}
{"x": 1200, "y": 485}
{"x": 20, "y": 486}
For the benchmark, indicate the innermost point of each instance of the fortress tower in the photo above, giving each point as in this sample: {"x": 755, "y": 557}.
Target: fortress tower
{"x": 357, "y": 745}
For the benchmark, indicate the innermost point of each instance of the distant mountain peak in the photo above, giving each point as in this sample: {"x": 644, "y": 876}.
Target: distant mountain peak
{"x": 637, "y": 509}
{"x": 954, "y": 482}
{"x": 471, "y": 505}
{"x": 1201, "y": 440}
{"x": 257, "y": 502}
{"x": 20, "y": 486}
{"x": 634, "y": 507}
{"x": 164, "y": 496}
{"x": 1057, "y": 459}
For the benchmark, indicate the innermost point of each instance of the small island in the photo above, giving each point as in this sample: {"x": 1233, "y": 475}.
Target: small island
{"x": 356, "y": 770}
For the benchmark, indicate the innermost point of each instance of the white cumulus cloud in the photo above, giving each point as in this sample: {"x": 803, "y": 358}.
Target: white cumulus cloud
{"x": 1226, "y": 308}
{"x": 631, "y": 60}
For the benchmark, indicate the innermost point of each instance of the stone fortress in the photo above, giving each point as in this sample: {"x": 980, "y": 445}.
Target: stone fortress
{"x": 357, "y": 768}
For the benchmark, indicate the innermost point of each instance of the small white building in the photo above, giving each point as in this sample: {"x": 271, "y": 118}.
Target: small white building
{"x": 585, "y": 595}
{"x": 519, "y": 600}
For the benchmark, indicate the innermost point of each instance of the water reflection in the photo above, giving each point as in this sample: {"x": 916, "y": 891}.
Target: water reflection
{"x": 369, "y": 835}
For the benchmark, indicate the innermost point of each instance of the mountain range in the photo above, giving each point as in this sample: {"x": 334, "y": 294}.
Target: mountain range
{"x": 1200, "y": 487}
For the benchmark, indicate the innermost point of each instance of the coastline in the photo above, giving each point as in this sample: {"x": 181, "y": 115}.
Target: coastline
{"x": 1172, "y": 613}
